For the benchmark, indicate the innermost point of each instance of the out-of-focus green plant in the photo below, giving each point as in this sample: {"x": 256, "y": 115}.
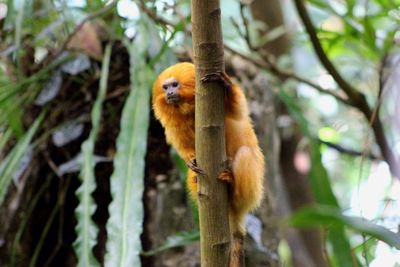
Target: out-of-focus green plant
{"x": 328, "y": 216}
{"x": 86, "y": 230}
{"x": 124, "y": 226}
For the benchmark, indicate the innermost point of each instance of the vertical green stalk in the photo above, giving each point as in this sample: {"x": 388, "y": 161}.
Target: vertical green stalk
{"x": 85, "y": 229}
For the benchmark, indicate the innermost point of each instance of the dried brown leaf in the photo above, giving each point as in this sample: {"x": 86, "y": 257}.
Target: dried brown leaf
{"x": 86, "y": 40}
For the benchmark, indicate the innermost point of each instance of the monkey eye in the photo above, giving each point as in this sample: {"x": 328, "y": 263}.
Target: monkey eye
{"x": 174, "y": 84}
{"x": 165, "y": 87}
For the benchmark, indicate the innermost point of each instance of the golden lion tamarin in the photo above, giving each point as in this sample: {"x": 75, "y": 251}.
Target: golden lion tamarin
{"x": 174, "y": 106}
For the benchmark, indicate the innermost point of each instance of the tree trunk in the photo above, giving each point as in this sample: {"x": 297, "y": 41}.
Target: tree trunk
{"x": 210, "y": 134}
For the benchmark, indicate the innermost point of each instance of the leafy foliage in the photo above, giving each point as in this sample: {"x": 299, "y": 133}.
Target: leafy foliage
{"x": 126, "y": 210}
{"x": 321, "y": 186}
{"x": 11, "y": 163}
{"x": 86, "y": 229}
{"x": 328, "y": 216}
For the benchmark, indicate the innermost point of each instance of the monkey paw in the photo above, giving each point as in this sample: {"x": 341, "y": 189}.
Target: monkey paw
{"x": 221, "y": 77}
{"x": 226, "y": 174}
{"x": 193, "y": 166}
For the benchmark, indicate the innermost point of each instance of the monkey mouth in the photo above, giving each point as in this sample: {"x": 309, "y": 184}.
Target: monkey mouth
{"x": 173, "y": 100}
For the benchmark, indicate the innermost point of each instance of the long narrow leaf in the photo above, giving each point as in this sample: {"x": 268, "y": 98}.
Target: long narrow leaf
{"x": 328, "y": 216}
{"x": 85, "y": 229}
{"x": 10, "y": 164}
{"x": 321, "y": 186}
{"x": 5, "y": 136}
{"x": 126, "y": 209}
{"x": 179, "y": 239}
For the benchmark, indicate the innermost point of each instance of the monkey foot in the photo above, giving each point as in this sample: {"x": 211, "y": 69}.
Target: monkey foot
{"x": 221, "y": 77}
{"x": 226, "y": 174}
{"x": 193, "y": 166}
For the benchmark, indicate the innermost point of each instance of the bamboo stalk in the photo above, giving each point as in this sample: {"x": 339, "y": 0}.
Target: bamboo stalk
{"x": 210, "y": 133}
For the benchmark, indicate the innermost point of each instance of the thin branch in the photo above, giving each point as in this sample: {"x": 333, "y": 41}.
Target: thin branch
{"x": 351, "y": 92}
{"x": 164, "y": 23}
{"x": 382, "y": 82}
{"x": 268, "y": 62}
{"x": 349, "y": 151}
{"x": 357, "y": 99}
{"x": 64, "y": 45}
{"x": 90, "y": 17}
{"x": 284, "y": 75}
{"x": 51, "y": 163}
{"x": 246, "y": 36}
{"x": 156, "y": 18}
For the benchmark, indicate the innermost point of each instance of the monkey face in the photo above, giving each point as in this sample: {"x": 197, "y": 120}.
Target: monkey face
{"x": 171, "y": 88}
{"x": 175, "y": 88}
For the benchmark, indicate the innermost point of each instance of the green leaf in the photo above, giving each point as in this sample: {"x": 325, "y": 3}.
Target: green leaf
{"x": 329, "y": 134}
{"x": 350, "y": 6}
{"x": 328, "y": 216}
{"x": 14, "y": 117}
{"x": 321, "y": 4}
{"x": 322, "y": 189}
{"x": 295, "y": 111}
{"x": 4, "y": 137}
{"x": 369, "y": 34}
{"x": 10, "y": 164}
{"x": 127, "y": 182}
{"x": 85, "y": 229}
{"x": 18, "y": 30}
{"x": 320, "y": 184}
{"x": 178, "y": 240}
{"x": 367, "y": 248}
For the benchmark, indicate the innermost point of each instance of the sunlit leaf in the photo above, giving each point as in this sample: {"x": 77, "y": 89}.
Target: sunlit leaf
{"x": 328, "y": 134}
{"x": 321, "y": 4}
{"x": 395, "y": 14}
{"x": 329, "y": 216}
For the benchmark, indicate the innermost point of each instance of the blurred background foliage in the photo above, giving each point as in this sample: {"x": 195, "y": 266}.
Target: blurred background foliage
{"x": 86, "y": 178}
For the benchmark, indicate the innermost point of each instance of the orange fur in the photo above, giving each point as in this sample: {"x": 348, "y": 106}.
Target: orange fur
{"x": 241, "y": 143}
